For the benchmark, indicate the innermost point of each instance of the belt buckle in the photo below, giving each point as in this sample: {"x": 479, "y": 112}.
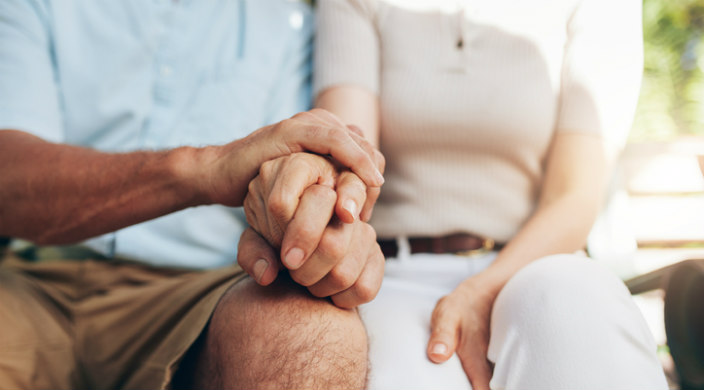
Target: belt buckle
{"x": 487, "y": 246}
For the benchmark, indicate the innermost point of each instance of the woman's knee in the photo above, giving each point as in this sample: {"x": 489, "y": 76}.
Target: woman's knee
{"x": 561, "y": 285}
{"x": 555, "y": 319}
{"x": 560, "y": 299}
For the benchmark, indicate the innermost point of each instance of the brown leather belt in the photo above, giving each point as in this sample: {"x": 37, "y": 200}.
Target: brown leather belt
{"x": 461, "y": 244}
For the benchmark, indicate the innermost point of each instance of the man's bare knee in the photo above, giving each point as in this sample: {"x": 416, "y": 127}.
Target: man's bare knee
{"x": 281, "y": 337}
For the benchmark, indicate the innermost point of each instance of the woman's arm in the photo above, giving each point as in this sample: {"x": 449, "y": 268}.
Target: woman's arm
{"x": 355, "y": 106}
{"x": 570, "y": 200}
{"x": 569, "y": 203}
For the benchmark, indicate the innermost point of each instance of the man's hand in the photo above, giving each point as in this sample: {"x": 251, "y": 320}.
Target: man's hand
{"x": 460, "y": 323}
{"x": 232, "y": 166}
{"x": 341, "y": 261}
{"x": 347, "y": 265}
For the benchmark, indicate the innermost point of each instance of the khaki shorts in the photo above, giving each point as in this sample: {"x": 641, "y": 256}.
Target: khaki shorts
{"x": 101, "y": 324}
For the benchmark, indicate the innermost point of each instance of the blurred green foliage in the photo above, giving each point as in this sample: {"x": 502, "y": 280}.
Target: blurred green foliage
{"x": 672, "y": 95}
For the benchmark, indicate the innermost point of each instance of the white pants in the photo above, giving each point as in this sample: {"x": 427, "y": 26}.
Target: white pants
{"x": 562, "y": 322}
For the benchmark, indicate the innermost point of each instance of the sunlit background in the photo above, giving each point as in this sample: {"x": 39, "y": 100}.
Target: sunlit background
{"x": 673, "y": 84}
{"x": 655, "y": 217}
{"x": 659, "y": 171}
{"x": 659, "y": 192}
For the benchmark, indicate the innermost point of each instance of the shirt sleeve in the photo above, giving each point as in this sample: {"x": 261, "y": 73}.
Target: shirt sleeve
{"x": 346, "y": 45}
{"x": 28, "y": 93}
{"x": 602, "y": 70}
{"x": 292, "y": 91}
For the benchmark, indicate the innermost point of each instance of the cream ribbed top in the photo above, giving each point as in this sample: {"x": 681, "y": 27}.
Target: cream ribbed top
{"x": 465, "y": 127}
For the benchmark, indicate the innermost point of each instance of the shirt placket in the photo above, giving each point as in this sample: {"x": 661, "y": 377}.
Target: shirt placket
{"x": 165, "y": 73}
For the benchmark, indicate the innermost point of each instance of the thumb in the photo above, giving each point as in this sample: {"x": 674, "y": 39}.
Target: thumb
{"x": 257, "y": 257}
{"x": 444, "y": 328}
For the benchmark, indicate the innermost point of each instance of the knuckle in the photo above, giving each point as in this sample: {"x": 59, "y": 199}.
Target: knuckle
{"x": 300, "y": 115}
{"x": 355, "y": 129}
{"x": 331, "y": 246}
{"x": 366, "y": 291}
{"x": 304, "y": 233}
{"x": 337, "y": 130}
{"x": 369, "y": 231}
{"x": 283, "y": 128}
{"x": 361, "y": 160}
{"x": 342, "y": 277}
{"x": 440, "y": 306}
{"x": 266, "y": 166}
{"x": 267, "y": 171}
{"x": 345, "y": 301}
{"x": 353, "y": 184}
{"x": 316, "y": 132}
{"x": 328, "y": 116}
{"x": 315, "y": 112}
{"x": 253, "y": 186}
{"x": 317, "y": 292}
{"x": 300, "y": 278}
{"x": 367, "y": 146}
{"x": 297, "y": 158}
{"x": 276, "y": 205}
{"x": 297, "y": 162}
{"x": 323, "y": 193}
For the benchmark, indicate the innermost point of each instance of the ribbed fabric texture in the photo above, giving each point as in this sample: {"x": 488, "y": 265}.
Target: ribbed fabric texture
{"x": 465, "y": 130}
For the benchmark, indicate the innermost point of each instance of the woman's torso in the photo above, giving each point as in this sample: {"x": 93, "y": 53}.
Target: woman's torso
{"x": 467, "y": 111}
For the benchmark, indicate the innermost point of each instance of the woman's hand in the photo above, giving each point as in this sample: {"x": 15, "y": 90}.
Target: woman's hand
{"x": 304, "y": 190}
{"x": 299, "y": 203}
{"x": 460, "y": 323}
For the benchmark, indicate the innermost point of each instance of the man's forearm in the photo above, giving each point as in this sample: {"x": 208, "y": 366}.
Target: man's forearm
{"x": 58, "y": 194}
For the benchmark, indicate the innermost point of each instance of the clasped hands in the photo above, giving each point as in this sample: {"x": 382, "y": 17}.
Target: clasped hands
{"x": 308, "y": 214}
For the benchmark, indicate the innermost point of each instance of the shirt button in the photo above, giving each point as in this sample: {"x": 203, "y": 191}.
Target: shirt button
{"x": 296, "y": 20}
{"x": 166, "y": 71}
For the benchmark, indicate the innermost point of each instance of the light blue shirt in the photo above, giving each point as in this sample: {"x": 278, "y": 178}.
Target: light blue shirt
{"x": 123, "y": 75}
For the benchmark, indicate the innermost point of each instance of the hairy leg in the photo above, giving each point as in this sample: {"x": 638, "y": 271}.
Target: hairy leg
{"x": 281, "y": 337}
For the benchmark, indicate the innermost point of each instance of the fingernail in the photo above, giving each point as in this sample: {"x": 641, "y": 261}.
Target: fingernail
{"x": 351, "y": 207}
{"x": 294, "y": 258}
{"x": 439, "y": 349}
{"x": 259, "y": 268}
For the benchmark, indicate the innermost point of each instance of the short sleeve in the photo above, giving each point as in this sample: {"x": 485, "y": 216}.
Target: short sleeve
{"x": 602, "y": 69}
{"x": 28, "y": 93}
{"x": 346, "y": 45}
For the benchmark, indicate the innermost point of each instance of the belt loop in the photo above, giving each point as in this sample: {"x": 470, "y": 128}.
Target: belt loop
{"x": 404, "y": 248}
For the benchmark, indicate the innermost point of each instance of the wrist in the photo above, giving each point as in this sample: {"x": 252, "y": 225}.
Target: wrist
{"x": 487, "y": 283}
{"x": 190, "y": 166}
{"x": 220, "y": 174}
